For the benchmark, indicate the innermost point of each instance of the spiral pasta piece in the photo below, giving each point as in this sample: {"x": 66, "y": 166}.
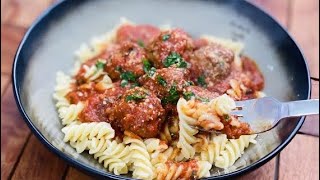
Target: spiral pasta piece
{"x": 187, "y": 132}
{"x": 61, "y": 89}
{"x": 79, "y": 132}
{"x": 204, "y": 169}
{"x": 215, "y": 146}
{"x": 223, "y": 104}
{"x": 113, "y": 155}
{"x": 234, "y": 148}
{"x": 92, "y": 72}
{"x": 82, "y": 145}
{"x": 105, "y": 83}
{"x": 183, "y": 170}
{"x": 70, "y": 113}
{"x": 140, "y": 158}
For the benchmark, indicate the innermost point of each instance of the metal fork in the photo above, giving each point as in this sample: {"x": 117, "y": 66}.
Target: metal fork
{"x": 264, "y": 113}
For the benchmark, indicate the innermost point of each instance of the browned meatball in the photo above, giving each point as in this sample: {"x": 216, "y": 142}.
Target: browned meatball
{"x": 167, "y": 42}
{"x": 140, "y": 112}
{"x": 199, "y": 93}
{"x": 128, "y": 57}
{"x": 198, "y": 43}
{"x": 213, "y": 62}
{"x": 141, "y": 34}
{"x": 97, "y": 107}
{"x": 163, "y": 79}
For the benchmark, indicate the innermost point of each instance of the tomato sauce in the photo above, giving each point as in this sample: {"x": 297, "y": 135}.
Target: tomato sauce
{"x": 150, "y": 70}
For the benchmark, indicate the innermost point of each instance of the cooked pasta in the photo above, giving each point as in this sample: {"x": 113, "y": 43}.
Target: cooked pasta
{"x": 157, "y": 103}
{"x": 113, "y": 155}
{"x": 215, "y": 146}
{"x": 140, "y": 158}
{"x": 186, "y": 132}
{"x": 223, "y": 105}
{"x": 183, "y": 170}
{"x": 233, "y": 150}
{"x": 70, "y": 113}
{"x": 75, "y": 132}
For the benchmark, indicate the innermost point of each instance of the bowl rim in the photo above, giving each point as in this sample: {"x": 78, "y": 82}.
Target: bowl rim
{"x": 86, "y": 168}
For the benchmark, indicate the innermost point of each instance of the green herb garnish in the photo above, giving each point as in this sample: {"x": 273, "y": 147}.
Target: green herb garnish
{"x": 100, "y": 64}
{"x": 127, "y": 77}
{"x": 173, "y": 96}
{"x": 151, "y": 72}
{"x": 165, "y": 37}
{"x": 161, "y": 80}
{"x": 226, "y": 117}
{"x": 119, "y": 69}
{"x": 147, "y": 67}
{"x": 135, "y": 97}
{"x": 203, "y": 99}
{"x": 140, "y": 43}
{"x": 124, "y": 82}
{"x": 201, "y": 81}
{"x": 174, "y": 58}
{"x": 188, "y": 95}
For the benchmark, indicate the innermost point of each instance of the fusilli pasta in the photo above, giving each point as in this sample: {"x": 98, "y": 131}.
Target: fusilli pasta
{"x": 79, "y": 132}
{"x": 140, "y": 158}
{"x": 233, "y": 150}
{"x": 187, "y": 132}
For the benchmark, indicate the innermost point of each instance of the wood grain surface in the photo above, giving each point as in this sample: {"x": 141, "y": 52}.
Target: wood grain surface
{"x": 24, "y": 157}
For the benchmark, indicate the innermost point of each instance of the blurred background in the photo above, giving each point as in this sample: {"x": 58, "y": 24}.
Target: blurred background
{"x": 24, "y": 157}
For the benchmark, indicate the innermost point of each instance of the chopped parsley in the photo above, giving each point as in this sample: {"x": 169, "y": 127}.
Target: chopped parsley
{"x": 118, "y": 68}
{"x": 173, "y": 96}
{"x": 161, "y": 80}
{"x": 100, "y": 64}
{"x": 226, "y": 117}
{"x": 124, "y": 82}
{"x": 174, "y": 58}
{"x": 201, "y": 81}
{"x": 137, "y": 96}
{"x": 188, "y": 95}
{"x": 140, "y": 43}
{"x": 147, "y": 67}
{"x": 127, "y": 77}
{"x": 165, "y": 37}
{"x": 203, "y": 99}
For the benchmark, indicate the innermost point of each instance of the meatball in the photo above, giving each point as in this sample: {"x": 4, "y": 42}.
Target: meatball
{"x": 164, "y": 79}
{"x": 199, "y": 93}
{"x": 172, "y": 41}
{"x": 140, "y": 112}
{"x": 98, "y": 106}
{"x": 128, "y": 57}
{"x": 137, "y": 33}
{"x": 213, "y": 62}
{"x": 198, "y": 43}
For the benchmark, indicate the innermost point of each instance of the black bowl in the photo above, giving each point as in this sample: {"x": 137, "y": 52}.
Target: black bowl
{"x": 49, "y": 44}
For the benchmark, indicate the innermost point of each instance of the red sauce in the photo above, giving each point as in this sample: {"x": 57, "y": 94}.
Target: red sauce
{"x": 154, "y": 101}
{"x": 144, "y": 33}
{"x": 189, "y": 168}
{"x": 235, "y": 131}
{"x": 250, "y": 68}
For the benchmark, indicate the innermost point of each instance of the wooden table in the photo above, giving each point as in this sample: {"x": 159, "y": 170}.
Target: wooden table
{"x": 24, "y": 157}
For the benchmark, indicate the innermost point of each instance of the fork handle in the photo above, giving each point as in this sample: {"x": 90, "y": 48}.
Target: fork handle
{"x": 300, "y": 108}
